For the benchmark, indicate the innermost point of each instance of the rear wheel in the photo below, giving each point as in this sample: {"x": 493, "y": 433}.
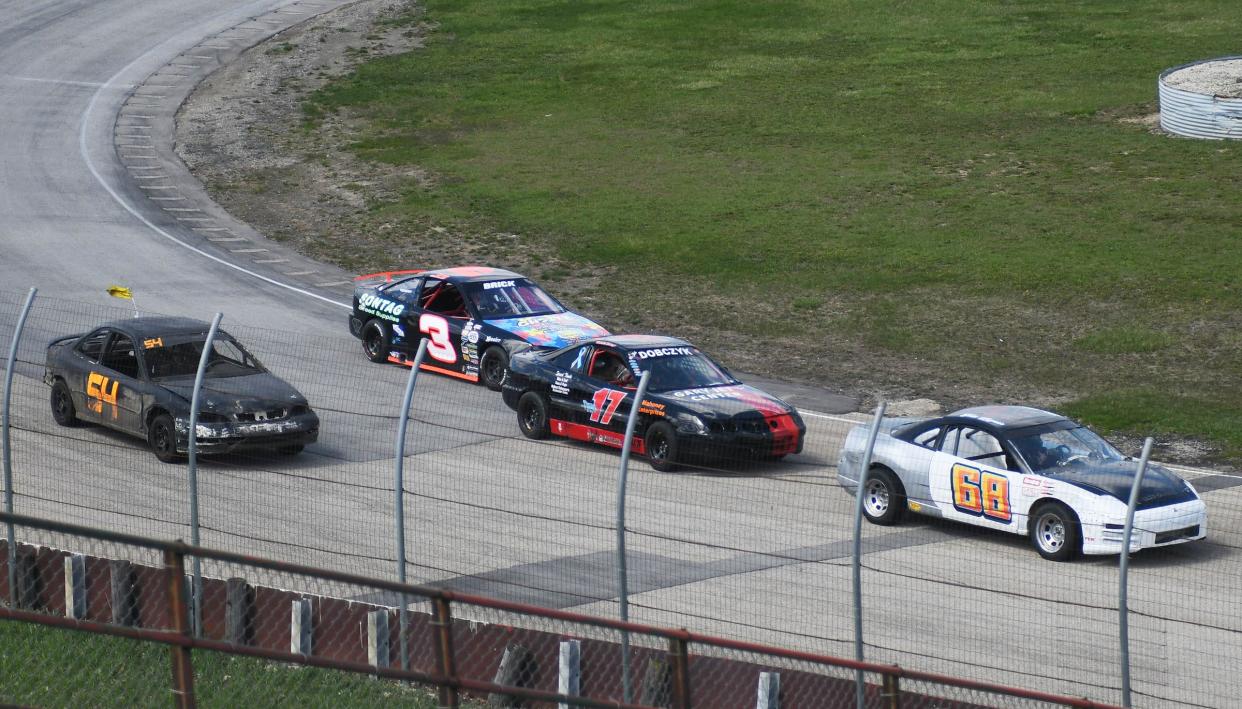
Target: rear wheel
{"x": 493, "y": 366}
{"x": 661, "y": 443}
{"x": 62, "y": 405}
{"x": 532, "y": 413}
{"x": 376, "y": 342}
{"x": 1055, "y": 532}
{"x": 884, "y": 499}
{"x": 162, "y": 437}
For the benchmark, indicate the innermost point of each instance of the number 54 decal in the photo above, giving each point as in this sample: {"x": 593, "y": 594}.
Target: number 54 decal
{"x": 981, "y": 493}
{"x": 101, "y": 390}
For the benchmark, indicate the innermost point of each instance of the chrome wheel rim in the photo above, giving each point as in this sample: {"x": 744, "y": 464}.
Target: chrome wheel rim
{"x": 875, "y": 498}
{"x": 1050, "y": 533}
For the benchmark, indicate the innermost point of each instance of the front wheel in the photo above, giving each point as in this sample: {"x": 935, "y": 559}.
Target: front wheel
{"x": 532, "y": 413}
{"x": 884, "y": 500}
{"x": 62, "y": 405}
{"x": 162, "y": 437}
{"x": 1056, "y": 533}
{"x": 661, "y": 443}
{"x": 493, "y": 366}
{"x": 376, "y": 342}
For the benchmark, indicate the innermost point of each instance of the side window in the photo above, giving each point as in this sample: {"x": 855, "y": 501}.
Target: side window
{"x": 611, "y": 368}
{"x": 574, "y": 360}
{"x": 402, "y": 288}
{"x": 979, "y": 445}
{"x": 927, "y": 439}
{"x": 92, "y": 345}
{"x": 120, "y": 356}
{"x": 444, "y": 298}
{"x": 949, "y": 444}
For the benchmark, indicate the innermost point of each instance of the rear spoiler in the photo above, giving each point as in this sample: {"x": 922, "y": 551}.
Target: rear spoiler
{"x": 64, "y": 338}
{"x": 385, "y": 276}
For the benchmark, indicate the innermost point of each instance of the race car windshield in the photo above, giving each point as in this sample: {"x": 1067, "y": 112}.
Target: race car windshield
{"x": 500, "y": 300}
{"x": 1055, "y": 449}
{"x": 178, "y": 356}
{"x": 682, "y": 371}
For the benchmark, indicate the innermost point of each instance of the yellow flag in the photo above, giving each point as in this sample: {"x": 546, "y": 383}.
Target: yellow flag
{"x": 120, "y": 292}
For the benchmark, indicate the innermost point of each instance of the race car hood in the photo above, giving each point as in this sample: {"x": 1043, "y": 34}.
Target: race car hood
{"x": 728, "y": 401}
{"x": 1160, "y": 486}
{"x": 253, "y": 392}
{"x": 551, "y": 330}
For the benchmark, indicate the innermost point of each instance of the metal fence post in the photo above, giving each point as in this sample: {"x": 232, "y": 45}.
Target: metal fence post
{"x": 183, "y": 670}
{"x": 192, "y": 466}
{"x": 399, "y": 490}
{"x": 679, "y": 657}
{"x": 8, "y": 452}
{"x": 444, "y": 648}
{"x": 860, "y": 687}
{"x": 627, "y": 689}
{"x": 1123, "y": 600}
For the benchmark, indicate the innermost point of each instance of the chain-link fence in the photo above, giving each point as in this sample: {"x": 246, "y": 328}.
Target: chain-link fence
{"x": 276, "y": 633}
{"x": 753, "y": 544}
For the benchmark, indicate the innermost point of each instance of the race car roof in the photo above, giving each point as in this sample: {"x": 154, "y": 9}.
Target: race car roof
{"x": 469, "y": 274}
{"x": 637, "y": 342}
{"x": 1009, "y": 416}
{"x": 157, "y": 326}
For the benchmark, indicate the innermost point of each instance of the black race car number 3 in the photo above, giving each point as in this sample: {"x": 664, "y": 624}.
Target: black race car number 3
{"x": 440, "y": 347}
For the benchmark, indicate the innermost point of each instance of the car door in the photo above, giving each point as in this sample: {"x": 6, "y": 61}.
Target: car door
{"x": 441, "y": 315}
{"x": 970, "y": 480}
{"x": 605, "y": 399}
{"x": 80, "y": 366}
{"x": 115, "y": 388}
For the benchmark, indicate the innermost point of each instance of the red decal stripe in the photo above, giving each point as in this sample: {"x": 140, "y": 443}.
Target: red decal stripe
{"x": 590, "y": 434}
{"x": 784, "y": 434}
{"x": 386, "y": 275}
{"x": 432, "y": 368}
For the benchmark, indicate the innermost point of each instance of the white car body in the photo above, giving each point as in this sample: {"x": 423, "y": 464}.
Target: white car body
{"x": 1000, "y": 491}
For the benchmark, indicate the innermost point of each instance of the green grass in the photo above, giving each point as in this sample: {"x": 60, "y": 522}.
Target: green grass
{"x": 51, "y": 667}
{"x": 1145, "y": 413}
{"x": 903, "y": 158}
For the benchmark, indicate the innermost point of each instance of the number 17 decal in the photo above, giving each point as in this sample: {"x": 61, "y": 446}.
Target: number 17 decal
{"x": 606, "y": 402}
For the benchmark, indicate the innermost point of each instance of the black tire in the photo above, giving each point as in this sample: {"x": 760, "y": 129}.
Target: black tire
{"x": 290, "y": 450}
{"x": 162, "y": 437}
{"x": 884, "y": 498}
{"x": 1055, "y": 532}
{"x": 532, "y": 413}
{"x": 493, "y": 367}
{"x": 661, "y": 444}
{"x": 376, "y": 341}
{"x": 62, "y": 405}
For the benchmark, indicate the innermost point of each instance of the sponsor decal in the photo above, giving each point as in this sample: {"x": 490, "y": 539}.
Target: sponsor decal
{"x": 383, "y": 307}
{"x": 153, "y": 342}
{"x": 651, "y": 408}
{"x": 100, "y": 391}
{"x": 914, "y": 506}
{"x": 489, "y": 339}
{"x": 561, "y": 385}
{"x": 662, "y": 352}
{"x": 497, "y": 284}
{"x": 470, "y": 332}
{"x": 580, "y": 360}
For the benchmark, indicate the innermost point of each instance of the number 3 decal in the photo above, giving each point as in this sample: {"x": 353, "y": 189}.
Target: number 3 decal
{"x": 981, "y": 493}
{"x": 440, "y": 347}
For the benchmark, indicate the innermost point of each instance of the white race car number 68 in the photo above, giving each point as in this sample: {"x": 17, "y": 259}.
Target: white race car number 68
{"x": 439, "y": 346}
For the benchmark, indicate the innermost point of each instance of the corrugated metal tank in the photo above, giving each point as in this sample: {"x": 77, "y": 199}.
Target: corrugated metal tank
{"x": 1199, "y": 115}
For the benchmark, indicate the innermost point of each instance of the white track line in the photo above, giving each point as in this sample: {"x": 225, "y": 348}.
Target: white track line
{"x": 138, "y": 215}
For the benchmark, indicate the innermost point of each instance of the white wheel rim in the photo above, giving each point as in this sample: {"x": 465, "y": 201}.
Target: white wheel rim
{"x": 1051, "y": 532}
{"x": 876, "y": 500}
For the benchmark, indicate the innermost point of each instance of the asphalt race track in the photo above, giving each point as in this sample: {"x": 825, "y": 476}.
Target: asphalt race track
{"x": 90, "y": 196}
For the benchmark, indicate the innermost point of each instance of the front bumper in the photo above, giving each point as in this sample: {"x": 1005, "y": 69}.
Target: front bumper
{"x": 1159, "y": 527}
{"x": 725, "y": 447}
{"x": 299, "y": 430}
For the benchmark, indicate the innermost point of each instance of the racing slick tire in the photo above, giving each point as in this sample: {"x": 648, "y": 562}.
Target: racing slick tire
{"x": 376, "y": 341}
{"x": 162, "y": 437}
{"x": 493, "y": 367}
{"x": 884, "y": 499}
{"x": 63, "y": 410}
{"x": 1055, "y": 532}
{"x": 532, "y": 413}
{"x": 661, "y": 443}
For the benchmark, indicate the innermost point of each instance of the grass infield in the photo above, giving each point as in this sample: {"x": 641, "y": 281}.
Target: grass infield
{"x": 968, "y": 199}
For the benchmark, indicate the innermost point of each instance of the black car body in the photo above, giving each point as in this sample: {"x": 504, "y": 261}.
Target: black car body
{"x": 693, "y": 410}
{"x": 137, "y": 376}
{"x": 472, "y": 316}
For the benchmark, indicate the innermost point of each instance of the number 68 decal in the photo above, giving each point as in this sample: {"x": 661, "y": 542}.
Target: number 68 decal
{"x": 984, "y": 493}
{"x": 439, "y": 346}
